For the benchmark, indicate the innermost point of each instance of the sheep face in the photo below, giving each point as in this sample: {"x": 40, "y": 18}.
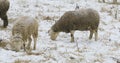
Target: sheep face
{"x": 16, "y": 43}
{"x": 53, "y": 35}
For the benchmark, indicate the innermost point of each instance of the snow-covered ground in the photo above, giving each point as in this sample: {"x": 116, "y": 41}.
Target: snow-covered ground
{"x": 62, "y": 50}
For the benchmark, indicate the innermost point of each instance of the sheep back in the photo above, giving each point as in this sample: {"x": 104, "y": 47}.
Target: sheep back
{"x": 26, "y": 26}
{"x": 82, "y": 19}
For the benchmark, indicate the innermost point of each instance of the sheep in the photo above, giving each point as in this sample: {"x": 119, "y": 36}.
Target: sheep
{"x": 84, "y": 19}
{"x": 22, "y": 30}
{"x": 4, "y": 6}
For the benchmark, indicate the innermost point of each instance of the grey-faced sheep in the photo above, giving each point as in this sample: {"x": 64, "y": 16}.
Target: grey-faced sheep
{"x": 23, "y": 29}
{"x": 4, "y": 6}
{"x": 82, "y": 19}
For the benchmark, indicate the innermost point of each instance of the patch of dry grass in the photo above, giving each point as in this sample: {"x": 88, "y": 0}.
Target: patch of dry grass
{"x": 22, "y": 61}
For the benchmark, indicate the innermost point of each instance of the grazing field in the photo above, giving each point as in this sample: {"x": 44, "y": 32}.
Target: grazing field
{"x": 83, "y": 50}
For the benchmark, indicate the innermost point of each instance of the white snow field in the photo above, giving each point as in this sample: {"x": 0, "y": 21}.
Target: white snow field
{"x": 83, "y": 50}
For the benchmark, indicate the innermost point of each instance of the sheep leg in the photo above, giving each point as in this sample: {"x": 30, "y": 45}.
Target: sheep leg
{"x": 35, "y": 35}
{"x": 72, "y": 36}
{"x": 96, "y": 35}
{"x": 29, "y": 43}
{"x": 35, "y": 39}
{"x": 91, "y": 34}
{"x": 5, "y": 20}
{"x": 24, "y": 46}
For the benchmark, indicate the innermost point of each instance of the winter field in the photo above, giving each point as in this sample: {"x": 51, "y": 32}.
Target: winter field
{"x": 83, "y": 50}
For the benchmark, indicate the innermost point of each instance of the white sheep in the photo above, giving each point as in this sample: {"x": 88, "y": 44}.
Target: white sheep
{"x": 23, "y": 29}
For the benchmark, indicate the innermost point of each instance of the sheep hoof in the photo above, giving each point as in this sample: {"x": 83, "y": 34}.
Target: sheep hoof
{"x": 4, "y": 26}
{"x": 90, "y": 38}
{"x": 72, "y": 41}
{"x": 28, "y": 48}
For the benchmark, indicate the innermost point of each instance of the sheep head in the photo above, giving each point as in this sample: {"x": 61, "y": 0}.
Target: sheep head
{"x": 16, "y": 42}
{"x": 53, "y": 35}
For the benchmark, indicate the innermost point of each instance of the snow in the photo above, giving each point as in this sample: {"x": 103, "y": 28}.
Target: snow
{"x": 62, "y": 50}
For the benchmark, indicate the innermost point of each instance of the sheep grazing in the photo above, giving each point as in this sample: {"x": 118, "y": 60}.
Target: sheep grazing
{"x": 23, "y": 29}
{"x": 4, "y": 6}
{"x": 16, "y": 42}
{"x": 82, "y": 19}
